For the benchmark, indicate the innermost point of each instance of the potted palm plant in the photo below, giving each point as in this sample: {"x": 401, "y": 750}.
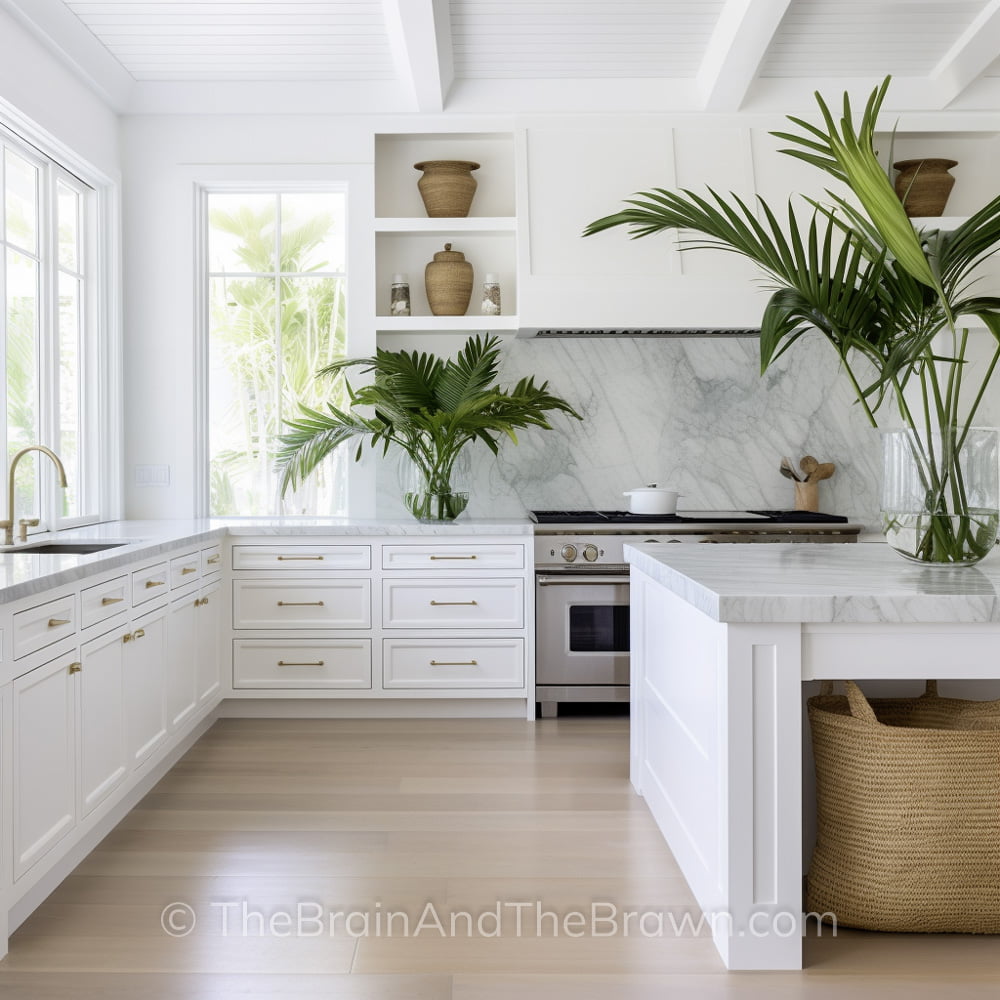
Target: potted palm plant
{"x": 888, "y": 297}
{"x": 431, "y": 408}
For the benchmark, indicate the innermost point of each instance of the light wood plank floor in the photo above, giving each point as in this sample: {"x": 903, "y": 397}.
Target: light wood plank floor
{"x": 432, "y": 819}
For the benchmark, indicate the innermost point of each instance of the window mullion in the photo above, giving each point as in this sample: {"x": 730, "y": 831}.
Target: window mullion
{"x": 48, "y": 349}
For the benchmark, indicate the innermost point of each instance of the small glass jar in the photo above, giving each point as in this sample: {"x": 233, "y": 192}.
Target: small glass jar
{"x": 399, "y": 300}
{"x": 491, "y": 296}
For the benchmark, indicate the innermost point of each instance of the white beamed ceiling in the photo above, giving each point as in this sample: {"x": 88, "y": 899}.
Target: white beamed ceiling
{"x": 510, "y": 56}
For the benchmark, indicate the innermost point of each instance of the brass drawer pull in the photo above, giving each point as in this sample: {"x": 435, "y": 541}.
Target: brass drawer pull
{"x": 300, "y": 558}
{"x": 301, "y": 663}
{"x": 213, "y": 559}
{"x": 200, "y": 602}
{"x": 453, "y": 557}
{"x": 446, "y": 604}
{"x": 154, "y": 583}
{"x": 105, "y": 601}
{"x": 56, "y": 622}
{"x": 454, "y": 663}
{"x": 138, "y": 633}
{"x": 300, "y": 604}
{"x": 75, "y": 668}
{"x": 188, "y": 569}
{"x": 127, "y": 637}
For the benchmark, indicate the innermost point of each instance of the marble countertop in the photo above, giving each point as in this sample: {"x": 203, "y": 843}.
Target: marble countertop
{"x": 820, "y": 583}
{"x": 24, "y": 573}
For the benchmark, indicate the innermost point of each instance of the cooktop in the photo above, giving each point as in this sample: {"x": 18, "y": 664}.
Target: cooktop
{"x": 685, "y": 517}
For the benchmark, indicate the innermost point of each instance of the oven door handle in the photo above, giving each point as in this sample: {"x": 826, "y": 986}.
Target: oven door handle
{"x": 580, "y": 580}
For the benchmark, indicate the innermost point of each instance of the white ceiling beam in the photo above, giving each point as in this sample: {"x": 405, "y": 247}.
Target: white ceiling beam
{"x": 735, "y": 51}
{"x": 420, "y": 41}
{"x": 76, "y": 47}
{"x": 973, "y": 53}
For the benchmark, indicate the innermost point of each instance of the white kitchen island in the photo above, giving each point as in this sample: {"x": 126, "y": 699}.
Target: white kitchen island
{"x": 723, "y": 637}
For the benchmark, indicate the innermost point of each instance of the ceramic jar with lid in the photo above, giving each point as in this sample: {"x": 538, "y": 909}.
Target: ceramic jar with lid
{"x": 448, "y": 280}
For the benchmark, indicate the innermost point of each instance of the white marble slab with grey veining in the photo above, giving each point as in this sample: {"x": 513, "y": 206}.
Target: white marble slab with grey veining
{"x": 25, "y": 574}
{"x": 820, "y": 583}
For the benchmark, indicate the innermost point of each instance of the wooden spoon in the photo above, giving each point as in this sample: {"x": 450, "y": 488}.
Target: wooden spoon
{"x": 808, "y": 465}
{"x": 823, "y": 471}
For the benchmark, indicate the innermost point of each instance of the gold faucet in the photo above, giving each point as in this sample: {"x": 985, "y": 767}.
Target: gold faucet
{"x": 25, "y": 523}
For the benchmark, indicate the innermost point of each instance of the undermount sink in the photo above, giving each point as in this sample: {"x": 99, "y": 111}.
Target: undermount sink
{"x": 64, "y": 548}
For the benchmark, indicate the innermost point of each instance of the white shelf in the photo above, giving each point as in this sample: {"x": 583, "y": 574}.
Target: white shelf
{"x": 445, "y": 324}
{"x": 427, "y": 226}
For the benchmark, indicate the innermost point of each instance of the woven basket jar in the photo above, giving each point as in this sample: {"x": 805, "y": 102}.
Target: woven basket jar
{"x": 448, "y": 281}
{"x": 447, "y": 187}
{"x": 923, "y": 186}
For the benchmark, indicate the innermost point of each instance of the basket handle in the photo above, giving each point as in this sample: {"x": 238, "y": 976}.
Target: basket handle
{"x": 860, "y": 708}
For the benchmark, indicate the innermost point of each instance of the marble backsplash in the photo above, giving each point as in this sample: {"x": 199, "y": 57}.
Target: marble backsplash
{"x": 692, "y": 414}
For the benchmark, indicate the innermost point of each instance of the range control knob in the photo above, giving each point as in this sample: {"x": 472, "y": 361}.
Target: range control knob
{"x": 568, "y": 552}
{"x": 590, "y": 553}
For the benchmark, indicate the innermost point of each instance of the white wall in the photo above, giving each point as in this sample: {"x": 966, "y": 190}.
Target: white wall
{"x": 165, "y": 159}
{"x": 41, "y": 89}
{"x": 696, "y": 413}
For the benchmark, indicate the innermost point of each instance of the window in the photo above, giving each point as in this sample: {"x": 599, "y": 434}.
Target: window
{"x": 276, "y": 300}
{"x": 50, "y": 342}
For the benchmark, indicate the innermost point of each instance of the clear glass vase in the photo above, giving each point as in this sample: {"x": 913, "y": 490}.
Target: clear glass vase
{"x": 435, "y": 492}
{"x": 941, "y": 494}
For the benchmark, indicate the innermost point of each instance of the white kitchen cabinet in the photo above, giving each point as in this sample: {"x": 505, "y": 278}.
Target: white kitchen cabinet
{"x": 182, "y": 642}
{"x": 436, "y": 603}
{"x": 193, "y": 629}
{"x": 144, "y": 686}
{"x": 307, "y": 664}
{"x": 208, "y": 625}
{"x": 453, "y": 664}
{"x": 103, "y": 761}
{"x": 44, "y": 759}
{"x": 312, "y": 603}
{"x": 406, "y": 239}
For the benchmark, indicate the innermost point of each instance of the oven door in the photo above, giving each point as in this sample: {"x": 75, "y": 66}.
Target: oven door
{"x": 582, "y": 631}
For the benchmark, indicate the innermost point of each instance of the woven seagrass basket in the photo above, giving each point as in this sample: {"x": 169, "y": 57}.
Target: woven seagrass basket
{"x": 908, "y": 812}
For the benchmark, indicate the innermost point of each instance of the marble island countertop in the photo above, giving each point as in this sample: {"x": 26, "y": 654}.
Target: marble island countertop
{"x": 24, "y": 572}
{"x": 820, "y": 583}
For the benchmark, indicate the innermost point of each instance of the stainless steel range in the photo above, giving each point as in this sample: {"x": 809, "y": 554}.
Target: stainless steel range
{"x": 582, "y": 594}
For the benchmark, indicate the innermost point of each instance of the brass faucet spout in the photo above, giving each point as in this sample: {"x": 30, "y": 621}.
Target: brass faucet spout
{"x": 8, "y": 524}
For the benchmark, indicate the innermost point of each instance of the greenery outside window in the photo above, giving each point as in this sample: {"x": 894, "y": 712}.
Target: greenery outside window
{"x": 276, "y": 299}
{"x": 50, "y": 338}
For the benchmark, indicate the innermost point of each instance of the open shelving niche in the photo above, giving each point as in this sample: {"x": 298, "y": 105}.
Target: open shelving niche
{"x": 406, "y": 239}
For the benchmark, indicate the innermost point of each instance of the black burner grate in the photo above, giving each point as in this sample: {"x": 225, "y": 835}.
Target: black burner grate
{"x": 720, "y": 517}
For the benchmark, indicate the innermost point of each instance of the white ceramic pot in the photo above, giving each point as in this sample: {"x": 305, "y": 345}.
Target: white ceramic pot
{"x": 651, "y": 500}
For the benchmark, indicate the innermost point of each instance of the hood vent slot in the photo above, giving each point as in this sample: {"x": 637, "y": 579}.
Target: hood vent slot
{"x": 644, "y": 331}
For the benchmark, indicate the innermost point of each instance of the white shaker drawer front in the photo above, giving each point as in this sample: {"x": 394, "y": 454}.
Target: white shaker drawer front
{"x": 296, "y": 558}
{"x": 153, "y": 581}
{"x": 453, "y": 663}
{"x": 449, "y": 558}
{"x": 302, "y": 604}
{"x": 104, "y": 601}
{"x": 301, "y": 663}
{"x": 211, "y": 559}
{"x": 453, "y": 603}
{"x": 39, "y": 627}
{"x": 184, "y": 569}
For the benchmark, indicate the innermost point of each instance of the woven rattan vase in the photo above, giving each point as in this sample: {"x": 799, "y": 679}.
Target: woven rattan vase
{"x": 448, "y": 281}
{"x": 923, "y": 186}
{"x": 447, "y": 187}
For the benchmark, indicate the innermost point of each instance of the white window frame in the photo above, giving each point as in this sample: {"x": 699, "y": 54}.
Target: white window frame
{"x": 101, "y": 356}
{"x": 356, "y": 180}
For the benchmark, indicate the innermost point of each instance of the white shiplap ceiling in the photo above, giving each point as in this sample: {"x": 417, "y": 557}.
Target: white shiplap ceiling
{"x": 519, "y": 55}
